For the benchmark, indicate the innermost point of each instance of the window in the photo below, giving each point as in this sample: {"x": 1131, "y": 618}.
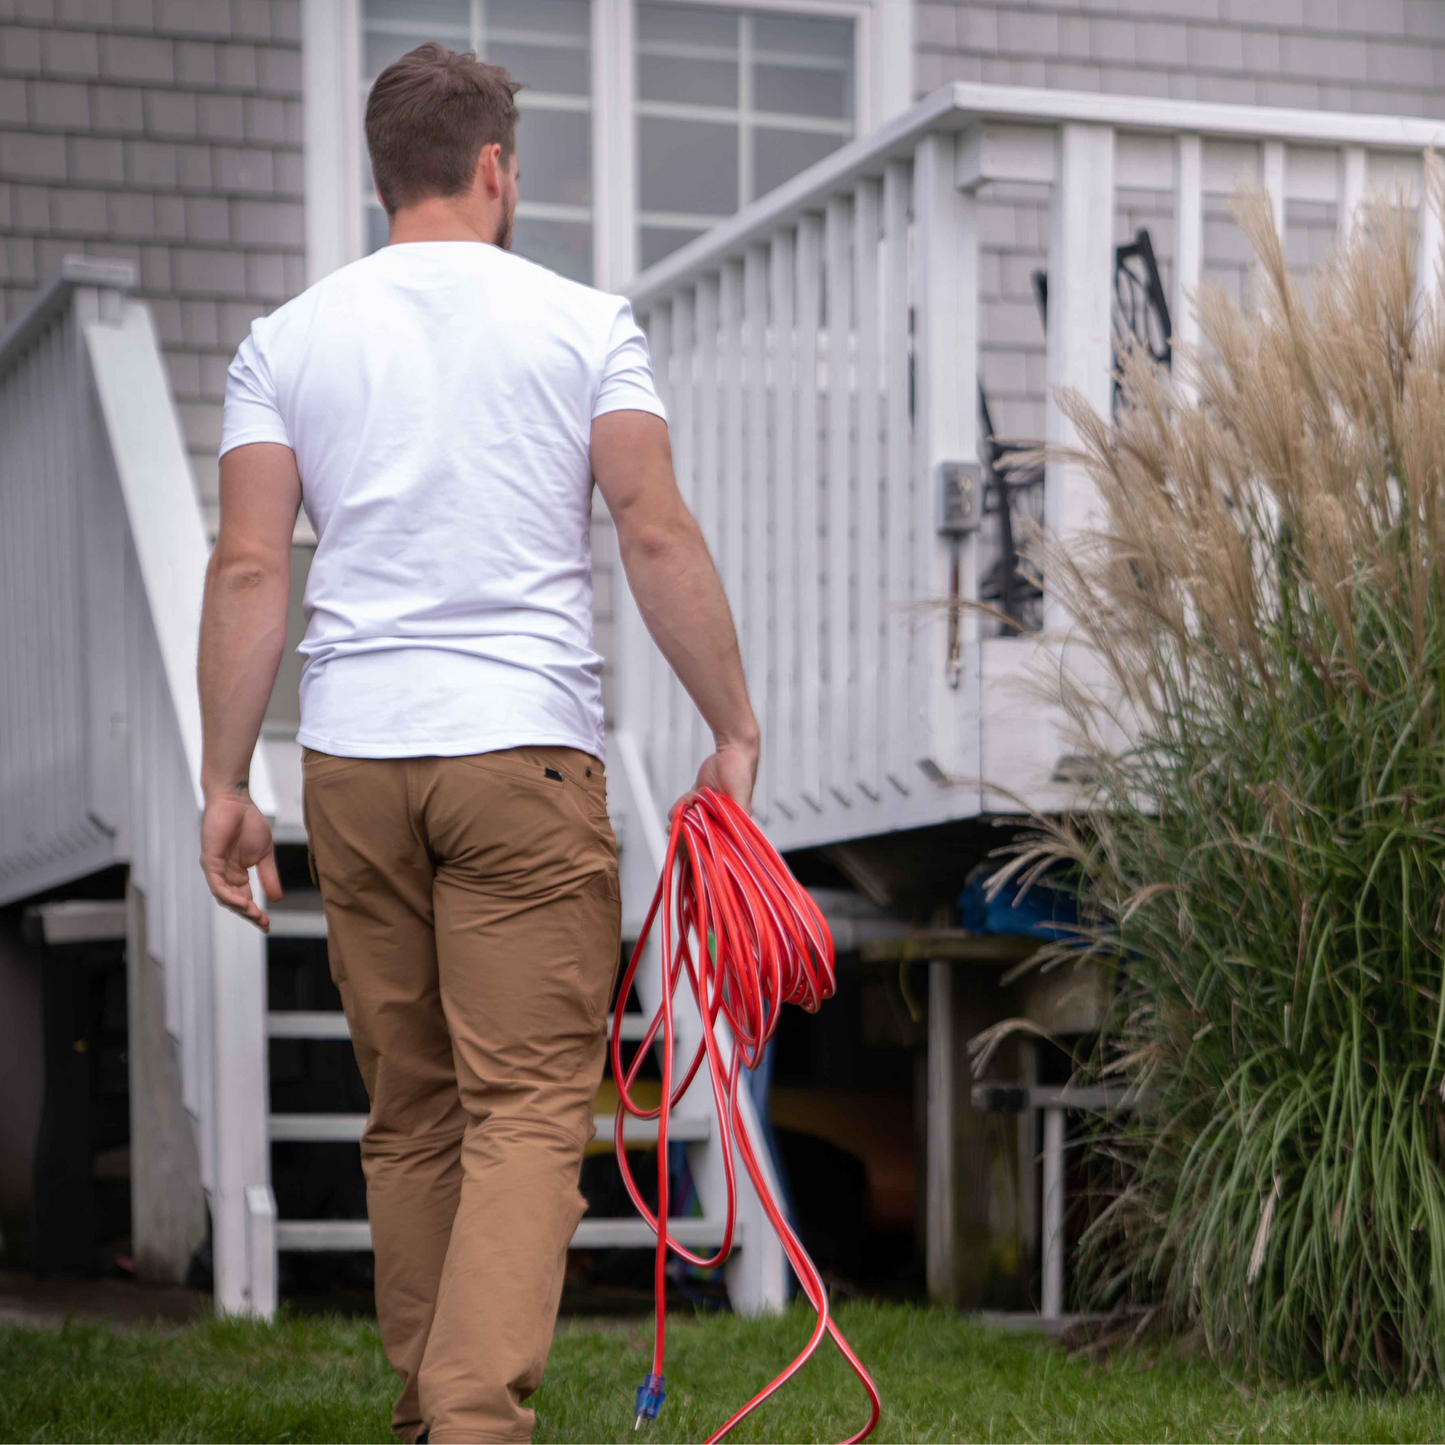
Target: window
{"x": 731, "y": 104}
{"x": 719, "y": 103}
{"x": 546, "y": 43}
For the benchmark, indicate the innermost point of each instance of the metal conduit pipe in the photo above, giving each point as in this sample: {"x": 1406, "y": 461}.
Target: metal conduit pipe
{"x": 1054, "y": 1101}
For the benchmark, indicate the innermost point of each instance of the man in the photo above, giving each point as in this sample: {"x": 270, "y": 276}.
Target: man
{"x": 441, "y": 409}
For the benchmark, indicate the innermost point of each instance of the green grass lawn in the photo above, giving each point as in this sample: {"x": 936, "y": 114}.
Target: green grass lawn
{"x": 941, "y": 1378}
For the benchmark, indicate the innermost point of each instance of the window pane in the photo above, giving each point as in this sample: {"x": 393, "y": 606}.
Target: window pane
{"x": 687, "y": 81}
{"x": 778, "y": 155}
{"x": 800, "y": 90}
{"x": 688, "y": 25}
{"x": 382, "y": 47}
{"x": 554, "y": 150}
{"x": 549, "y": 17}
{"x": 423, "y": 14}
{"x": 802, "y": 35}
{"x": 660, "y": 241}
{"x": 560, "y": 69}
{"x": 395, "y": 26}
{"x": 562, "y": 246}
{"x": 690, "y": 59}
{"x": 687, "y": 165}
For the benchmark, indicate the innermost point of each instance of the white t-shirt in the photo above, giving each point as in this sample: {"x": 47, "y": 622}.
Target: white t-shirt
{"x": 439, "y": 397}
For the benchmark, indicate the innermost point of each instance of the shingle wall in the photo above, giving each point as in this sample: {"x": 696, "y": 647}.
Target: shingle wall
{"x": 1351, "y": 55}
{"x": 1386, "y": 56}
{"x": 167, "y": 132}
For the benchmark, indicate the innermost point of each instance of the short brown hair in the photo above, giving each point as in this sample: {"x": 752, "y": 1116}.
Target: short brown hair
{"x": 428, "y": 117}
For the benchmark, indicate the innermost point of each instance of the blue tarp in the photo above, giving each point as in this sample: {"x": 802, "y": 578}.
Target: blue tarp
{"x": 1043, "y": 911}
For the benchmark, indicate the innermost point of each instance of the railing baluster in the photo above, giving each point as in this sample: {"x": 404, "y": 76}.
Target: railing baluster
{"x": 1272, "y": 164}
{"x": 809, "y": 281}
{"x": 838, "y": 721}
{"x": 867, "y": 695}
{"x": 1189, "y": 235}
{"x": 1081, "y": 269}
{"x": 708, "y": 467}
{"x": 898, "y": 301}
{"x": 781, "y": 739}
{"x": 756, "y": 613}
{"x": 730, "y": 489}
{"x": 1431, "y": 228}
{"x": 654, "y": 684}
{"x": 684, "y": 451}
{"x": 1352, "y": 188}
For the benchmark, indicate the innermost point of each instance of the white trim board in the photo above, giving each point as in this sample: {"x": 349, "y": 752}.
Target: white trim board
{"x": 1022, "y": 120}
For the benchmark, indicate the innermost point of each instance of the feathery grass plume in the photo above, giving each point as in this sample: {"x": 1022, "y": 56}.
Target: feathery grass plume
{"x": 1268, "y": 852}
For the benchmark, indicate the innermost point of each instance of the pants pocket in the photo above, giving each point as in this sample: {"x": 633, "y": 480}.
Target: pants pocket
{"x": 599, "y": 943}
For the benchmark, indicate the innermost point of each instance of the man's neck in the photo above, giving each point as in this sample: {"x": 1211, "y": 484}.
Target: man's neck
{"x": 443, "y": 220}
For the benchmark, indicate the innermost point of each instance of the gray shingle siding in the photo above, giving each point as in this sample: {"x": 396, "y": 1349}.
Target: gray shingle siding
{"x": 1352, "y": 55}
{"x": 1358, "y": 55}
{"x": 167, "y": 132}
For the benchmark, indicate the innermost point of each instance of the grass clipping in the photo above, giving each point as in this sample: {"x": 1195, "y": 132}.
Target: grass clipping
{"x": 1267, "y": 601}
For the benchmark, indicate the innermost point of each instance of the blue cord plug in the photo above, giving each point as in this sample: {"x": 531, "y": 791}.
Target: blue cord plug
{"x": 650, "y": 1395}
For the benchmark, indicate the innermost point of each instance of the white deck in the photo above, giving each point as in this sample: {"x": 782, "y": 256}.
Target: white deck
{"x": 818, "y": 355}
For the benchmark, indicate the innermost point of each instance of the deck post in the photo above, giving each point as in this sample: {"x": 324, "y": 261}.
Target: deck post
{"x": 971, "y": 1245}
{"x": 242, "y": 1144}
{"x": 1080, "y": 342}
{"x": 945, "y": 697}
{"x": 1431, "y": 227}
{"x": 168, "y": 1204}
{"x": 1053, "y": 1262}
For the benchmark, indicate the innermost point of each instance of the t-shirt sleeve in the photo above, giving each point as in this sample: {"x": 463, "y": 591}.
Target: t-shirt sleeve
{"x": 627, "y": 383}
{"x": 251, "y": 412}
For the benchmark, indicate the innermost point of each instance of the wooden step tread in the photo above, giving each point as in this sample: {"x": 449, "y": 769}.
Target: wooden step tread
{"x": 630, "y": 1233}
{"x": 346, "y": 1128}
{"x": 331, "y": 1024}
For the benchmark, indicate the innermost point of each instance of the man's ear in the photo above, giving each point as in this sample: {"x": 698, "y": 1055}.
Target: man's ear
{"x": 488, "y": 178}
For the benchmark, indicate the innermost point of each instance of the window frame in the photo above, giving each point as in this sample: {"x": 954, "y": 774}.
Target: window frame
{"x": 332, "y": 64}
{"x": 745, "y": 115}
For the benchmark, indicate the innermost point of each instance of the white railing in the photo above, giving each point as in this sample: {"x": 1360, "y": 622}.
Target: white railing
{"x": 62, "y": 770}
{"x": 104, "y": 560}
{"x": 819, "y": 357}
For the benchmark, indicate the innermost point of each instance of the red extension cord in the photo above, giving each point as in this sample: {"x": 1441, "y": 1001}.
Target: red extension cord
{"x": 723, "y": 883}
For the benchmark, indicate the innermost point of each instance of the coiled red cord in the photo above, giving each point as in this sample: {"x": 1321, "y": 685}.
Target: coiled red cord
{"x": 724, "y": 885}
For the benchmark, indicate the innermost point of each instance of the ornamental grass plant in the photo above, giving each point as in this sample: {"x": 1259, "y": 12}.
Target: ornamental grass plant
{"x": 1265, "y": 604}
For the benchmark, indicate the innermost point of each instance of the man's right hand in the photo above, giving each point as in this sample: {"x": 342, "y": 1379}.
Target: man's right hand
{"x": 732, "y": 769}
{"x": 235, "y": 837}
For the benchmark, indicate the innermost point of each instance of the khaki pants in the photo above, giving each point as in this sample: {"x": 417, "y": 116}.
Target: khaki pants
{"x": 474, "y": 924}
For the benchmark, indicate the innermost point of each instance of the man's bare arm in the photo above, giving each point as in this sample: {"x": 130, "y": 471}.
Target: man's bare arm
{"x": 243, "y": 633}
{"x": 677, "y": 589}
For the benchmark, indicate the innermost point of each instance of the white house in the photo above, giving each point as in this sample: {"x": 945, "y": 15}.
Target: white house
{"x": 828, "y": 214}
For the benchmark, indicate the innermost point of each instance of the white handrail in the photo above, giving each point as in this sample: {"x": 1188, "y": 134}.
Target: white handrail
{"x": 965, "y": 104}
{"x": 166, "y": 522}
{"x": 214, "y": 962}
{"x": 103, "y": 556}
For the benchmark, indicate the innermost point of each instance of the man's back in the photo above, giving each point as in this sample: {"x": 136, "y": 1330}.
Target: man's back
{"x": 439, "y": 397}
